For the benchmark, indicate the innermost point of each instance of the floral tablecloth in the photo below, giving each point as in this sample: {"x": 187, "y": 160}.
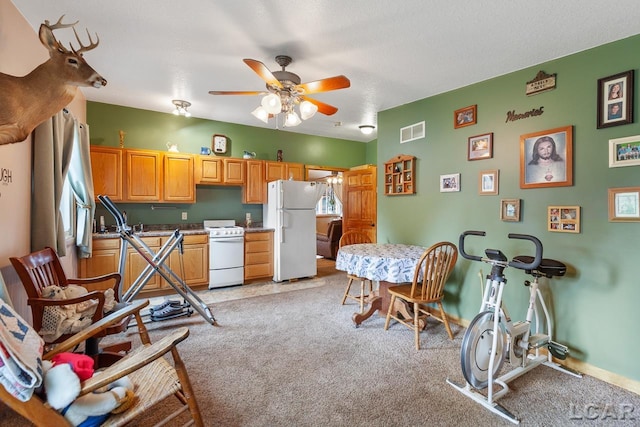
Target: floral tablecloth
{"x": 389, "y": 262}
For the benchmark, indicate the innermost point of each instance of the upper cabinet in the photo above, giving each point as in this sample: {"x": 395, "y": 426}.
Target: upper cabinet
{"x": 220, "y": 171}
{"x": 106, "y": 167}
{"x": 254, "y": 190}
{"x": 132, "y": 175}
{"x": 283, "y": 170}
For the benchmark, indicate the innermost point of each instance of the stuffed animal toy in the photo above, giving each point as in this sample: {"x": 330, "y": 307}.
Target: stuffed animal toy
{"x": 72, "y": 318}
{"x": 62, "y": 387}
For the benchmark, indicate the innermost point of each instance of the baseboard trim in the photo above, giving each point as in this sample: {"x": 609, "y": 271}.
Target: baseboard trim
{"x": 575, "y": 364}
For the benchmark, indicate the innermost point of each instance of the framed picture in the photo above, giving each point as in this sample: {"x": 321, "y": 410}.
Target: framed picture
{"x": 450, "y": 182}
{"x": 488, "y": 182}
{"x": 624, "y": 151}
{"x": 615, "y": 100}
{"x": 510, "y": 210}
{"x": 563, "y": 219}
{"x": 624, "y": 204}
{"x": 466, "y": 116}
{"x": 480, "y": 147}
{"x": 546, "y": 158}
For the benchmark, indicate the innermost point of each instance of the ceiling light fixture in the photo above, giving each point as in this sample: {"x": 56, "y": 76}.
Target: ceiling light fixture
{"x": 367, "y": 129}
{"x": 181, "y": 108}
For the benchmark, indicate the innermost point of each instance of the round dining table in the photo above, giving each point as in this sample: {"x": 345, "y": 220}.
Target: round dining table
{"x": 384, "y": 263}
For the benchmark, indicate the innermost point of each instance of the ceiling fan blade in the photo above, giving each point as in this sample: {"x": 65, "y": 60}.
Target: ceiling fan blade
{"x": 325, "y": 85}
{"x": 263, "y": 72}
{"x": 322, "y": 107}
{"x": 229, "y": 92}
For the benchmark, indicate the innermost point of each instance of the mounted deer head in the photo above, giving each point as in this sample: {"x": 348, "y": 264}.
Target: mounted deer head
{"x": 29, "y": 100}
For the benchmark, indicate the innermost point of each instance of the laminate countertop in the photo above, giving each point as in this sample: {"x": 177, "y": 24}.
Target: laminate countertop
{"x": 160, "y": 230}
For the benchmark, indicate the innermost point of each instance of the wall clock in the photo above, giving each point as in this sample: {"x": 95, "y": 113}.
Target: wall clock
{"x": 220, "y": 143}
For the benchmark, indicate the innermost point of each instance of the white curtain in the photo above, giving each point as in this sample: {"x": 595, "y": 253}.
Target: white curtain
{"x": 61, "y": 145}
{"x": 81, "y": 182}
{"x": 51, "y": 156}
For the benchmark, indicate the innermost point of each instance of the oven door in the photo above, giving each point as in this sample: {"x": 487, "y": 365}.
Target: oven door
{"x": 227, "y": 252}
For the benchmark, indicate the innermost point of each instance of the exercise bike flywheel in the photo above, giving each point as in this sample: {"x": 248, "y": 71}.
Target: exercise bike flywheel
{"x": 475, "y": 352}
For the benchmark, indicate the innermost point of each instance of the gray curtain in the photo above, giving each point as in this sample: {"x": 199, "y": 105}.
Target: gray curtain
{"x": 81, "y": 182}
{"x": 52, "y": 147}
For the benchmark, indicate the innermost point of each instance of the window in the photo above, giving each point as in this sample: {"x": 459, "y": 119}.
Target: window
{"x": 68, "y": 209}
{"x": 329, "y": 203}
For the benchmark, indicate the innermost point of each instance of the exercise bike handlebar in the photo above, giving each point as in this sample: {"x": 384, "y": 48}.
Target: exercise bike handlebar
{"x": 515, "y": 264}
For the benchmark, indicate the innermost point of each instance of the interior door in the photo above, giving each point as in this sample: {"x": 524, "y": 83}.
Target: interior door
{"x": 360, "y": 201}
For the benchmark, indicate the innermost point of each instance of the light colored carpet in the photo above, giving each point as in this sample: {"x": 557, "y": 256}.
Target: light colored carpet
{"x": 294, "y": 358}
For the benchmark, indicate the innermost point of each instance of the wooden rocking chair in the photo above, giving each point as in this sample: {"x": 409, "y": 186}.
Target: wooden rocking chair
{"x": 155, "y": 379}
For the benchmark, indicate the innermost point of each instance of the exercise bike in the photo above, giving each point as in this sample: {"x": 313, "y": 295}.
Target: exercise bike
{"x": 488, "y": 343}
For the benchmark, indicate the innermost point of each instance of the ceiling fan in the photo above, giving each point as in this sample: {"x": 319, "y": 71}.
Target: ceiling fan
{"x": 284, "y": 92}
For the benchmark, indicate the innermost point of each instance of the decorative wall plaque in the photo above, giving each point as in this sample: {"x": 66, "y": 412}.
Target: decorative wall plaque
{"x": 541, "y": 83}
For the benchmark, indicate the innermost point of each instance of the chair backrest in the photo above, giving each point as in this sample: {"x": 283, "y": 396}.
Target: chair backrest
{"x": 38, "y": 270}
{"x": 353, "y": 237}
{"x": 435, "y": 265}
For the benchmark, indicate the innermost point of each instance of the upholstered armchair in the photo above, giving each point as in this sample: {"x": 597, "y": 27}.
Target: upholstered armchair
{"x": 327, "y": 241}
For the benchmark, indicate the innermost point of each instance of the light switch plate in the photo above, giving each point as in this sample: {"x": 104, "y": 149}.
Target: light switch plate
{"x": 184, "y": 216}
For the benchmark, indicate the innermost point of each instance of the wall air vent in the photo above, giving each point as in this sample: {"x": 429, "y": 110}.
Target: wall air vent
{"x": 410, "y": 133}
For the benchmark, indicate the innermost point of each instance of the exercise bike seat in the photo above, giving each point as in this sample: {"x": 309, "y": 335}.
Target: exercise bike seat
{"x": 548, "y": 267}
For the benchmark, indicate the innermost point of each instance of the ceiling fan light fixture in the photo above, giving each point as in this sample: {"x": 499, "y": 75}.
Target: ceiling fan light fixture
{"x": 307, "y": 110}
{"x": 261, "y": 114}
{"x": 367, "y": 129}
{"x": 292, "y": 119}
{"x": 272, "y": 103}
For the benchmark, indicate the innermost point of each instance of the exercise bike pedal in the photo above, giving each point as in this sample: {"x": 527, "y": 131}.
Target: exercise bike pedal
{"x": 558, "y": 350}
{"x": 538, "y": 340}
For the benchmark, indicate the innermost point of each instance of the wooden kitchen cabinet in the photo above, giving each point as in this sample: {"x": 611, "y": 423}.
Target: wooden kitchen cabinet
{"x": 106, "y": 168}
{"x": 220, "y": 171}
{"x": 193, "y": 268}
{"x": 179, "y": 185}
{"x": 255, "y": 189}
{"x": 258, "y": 255}
{"x": 143, "y": 177}
{"x": 283, "y": 170}
{"x": 106, "y": 259}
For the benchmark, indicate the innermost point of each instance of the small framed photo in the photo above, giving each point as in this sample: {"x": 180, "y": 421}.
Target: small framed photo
{"x": 563, "y": 219}
{"x": 480, "y": 147}
{"x": 624, "y": 204}
{"x": 466, "y": 116}
{"x": 546, "y": 158}
{"x": 624, "y": 151}
{"x": 615, "y": 100}
{"x": 488, "y": 182}
{"x": 510, "y": 210}
{"x": 450, "y": 182}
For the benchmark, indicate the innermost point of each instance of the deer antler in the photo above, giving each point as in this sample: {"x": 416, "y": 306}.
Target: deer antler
{"x": 58, "y": 24}
{"x": 84, "y": 48}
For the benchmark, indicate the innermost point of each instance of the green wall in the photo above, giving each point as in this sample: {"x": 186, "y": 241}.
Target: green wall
{"x": 152, "y": 130}
{"x": 595, "y": 304}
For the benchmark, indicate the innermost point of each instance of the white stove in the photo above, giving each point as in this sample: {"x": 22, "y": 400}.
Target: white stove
{"x": 226, "y": 253}
{"x": 221, "y": 228}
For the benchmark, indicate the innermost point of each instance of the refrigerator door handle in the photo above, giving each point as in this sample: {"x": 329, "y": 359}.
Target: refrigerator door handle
{"x": 280, "y": 224}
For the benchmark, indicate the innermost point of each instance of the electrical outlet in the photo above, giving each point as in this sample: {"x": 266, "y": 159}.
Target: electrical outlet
{"x": 184, "y": 216}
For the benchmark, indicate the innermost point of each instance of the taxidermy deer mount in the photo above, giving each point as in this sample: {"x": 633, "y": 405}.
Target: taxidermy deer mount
{"x": 29, "y": 100}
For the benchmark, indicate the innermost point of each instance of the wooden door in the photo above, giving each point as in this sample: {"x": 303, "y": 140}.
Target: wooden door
{"x": 144, "y": 176}
{"x": 360, "y": 201}
{"x": 179, "y": 183}
{"x": 106, "y": 168}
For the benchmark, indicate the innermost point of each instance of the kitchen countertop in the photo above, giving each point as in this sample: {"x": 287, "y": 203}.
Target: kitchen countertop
{"x": 159, "y": 230}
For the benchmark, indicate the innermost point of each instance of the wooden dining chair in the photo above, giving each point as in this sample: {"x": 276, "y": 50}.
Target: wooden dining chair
{"x": 155, "y": 378}
{"x": 41, "y": 269}
{"x": 433, "y": 269}
{"x": 351, "y": 238}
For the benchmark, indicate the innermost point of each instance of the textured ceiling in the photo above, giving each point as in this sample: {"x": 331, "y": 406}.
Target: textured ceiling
{"x": 394, "y": 52}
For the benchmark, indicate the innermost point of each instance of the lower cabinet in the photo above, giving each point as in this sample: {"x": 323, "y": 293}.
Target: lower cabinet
{"x": 192, "y": 266}
{"x": 258, "y": 255}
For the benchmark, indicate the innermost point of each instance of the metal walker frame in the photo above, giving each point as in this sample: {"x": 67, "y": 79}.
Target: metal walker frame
{"x": 155, "y": 263}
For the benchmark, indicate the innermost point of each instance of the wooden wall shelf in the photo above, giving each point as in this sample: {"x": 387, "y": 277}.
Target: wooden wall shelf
{"x": 399, "y": 175}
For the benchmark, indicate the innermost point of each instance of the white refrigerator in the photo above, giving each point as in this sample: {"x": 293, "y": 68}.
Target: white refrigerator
{"x": 291, "y": 212}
